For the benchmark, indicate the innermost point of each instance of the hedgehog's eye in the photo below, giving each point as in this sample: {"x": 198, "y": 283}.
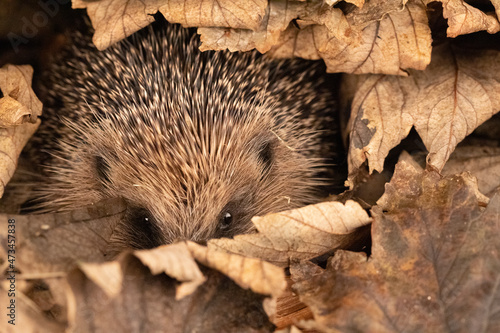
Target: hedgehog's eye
{"x": 225, "y": 220}
{"x": 266, "y": 155}
{"x": 140, "y": 215}
{"x": 144, "y": 233}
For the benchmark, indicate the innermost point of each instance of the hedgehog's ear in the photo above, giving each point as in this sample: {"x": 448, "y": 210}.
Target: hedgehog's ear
{"x": 266, "y": 155}
{"x": 103, "y": 169}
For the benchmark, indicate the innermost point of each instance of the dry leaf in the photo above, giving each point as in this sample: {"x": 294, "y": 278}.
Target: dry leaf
{"x": 19, "y": 111}
{"x": 55, "y": 242}
{"x": 176, "y": 261}
{"x": 446, "y": 102}
{"x": 304, "y": 233}
{"x": 435, "y": 264}
{"x": 21, "y": 104}
{"x": 260, "y": 276}
{"x": 465, "y": 19}
{"x": 401, "y": 40}
{"x": 114, "y": 20}
{"x": 146, "y": 302}
{"x": 278, "y": 15}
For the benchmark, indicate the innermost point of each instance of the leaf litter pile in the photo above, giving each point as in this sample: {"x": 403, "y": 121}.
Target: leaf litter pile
{"x": 430, "y": 245}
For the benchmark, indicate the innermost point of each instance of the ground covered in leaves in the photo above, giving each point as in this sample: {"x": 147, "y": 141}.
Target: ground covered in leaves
{"x": 424, "y": 256}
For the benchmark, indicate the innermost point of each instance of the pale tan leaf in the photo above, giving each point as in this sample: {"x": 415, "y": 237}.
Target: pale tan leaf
{"x": 465, "y": 19}
{"x": 19, "y": 111}
{"x": 457, "y": 93}
{"x": 259, "y": 276}
{"x": 317, "y": 28}
{"x": 378, "y": 120}
{"x": 278, "y": 15}
{"x": 303, "y": 233}
{"x": 238, "y": 14}
{"x": 401, "y": 40}
{"x": 303, "y": 43}
{"x": 15, "y": 84}
{"x": 114, "y": 20}
{"x": 108, "y": 276}
{"x": 176, "y": 261}
{"x": 446, "y": 102}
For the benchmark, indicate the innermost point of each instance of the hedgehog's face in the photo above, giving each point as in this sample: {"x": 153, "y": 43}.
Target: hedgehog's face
{"x": 207, "y": 195}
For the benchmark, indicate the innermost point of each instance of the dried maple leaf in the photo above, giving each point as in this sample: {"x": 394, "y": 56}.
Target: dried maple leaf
{"x": 435, "y": 263}
{"x": 19, "y": 111}
{"x": 465, "y": 19}
{"x": 114, "y": 20}
{"x": 400, "y": 40}
{"x": 303, "y": 233}
{"x": 445, "y": 103}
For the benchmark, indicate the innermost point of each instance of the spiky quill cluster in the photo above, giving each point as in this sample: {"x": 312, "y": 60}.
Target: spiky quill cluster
{"x": 196, "y": 143}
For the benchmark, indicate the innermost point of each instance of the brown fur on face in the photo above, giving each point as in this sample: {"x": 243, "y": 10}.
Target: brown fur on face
{"x": 197, "y": 143}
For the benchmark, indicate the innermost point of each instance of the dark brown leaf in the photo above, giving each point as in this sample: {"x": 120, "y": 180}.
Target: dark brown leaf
{"x": 435, "y": 264}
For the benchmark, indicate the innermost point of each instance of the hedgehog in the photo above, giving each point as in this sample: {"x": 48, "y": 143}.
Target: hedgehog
{"x": 196, "y": 143}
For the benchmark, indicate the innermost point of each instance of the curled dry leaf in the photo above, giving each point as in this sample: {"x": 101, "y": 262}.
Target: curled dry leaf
{"x": 19, "y": 104}
{"x": 261, "y": 277}
{"x": 445, "y": 103}
{"x": 114, "y": 20}
{"x": 465, "y": 19}
{"x": 302, "y": 233}
{"x": 435, "y": 264}
{"x": 19, "y": 111}
{"x": 177, "y": 262}
{"x": 400, "y": 40}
